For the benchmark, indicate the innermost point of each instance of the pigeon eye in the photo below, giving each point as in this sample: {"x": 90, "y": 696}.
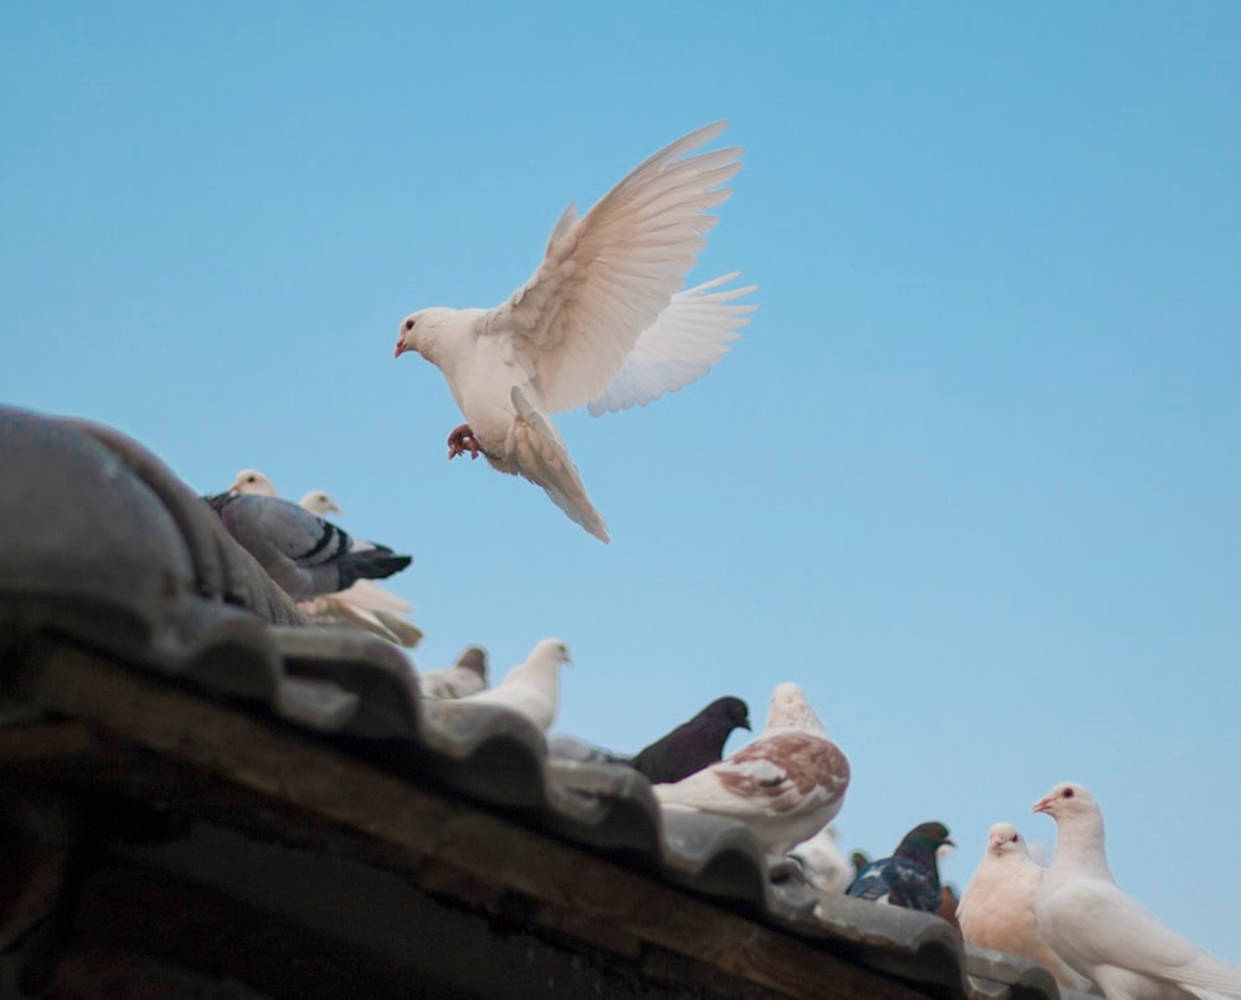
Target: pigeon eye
{"x": 409, "y": 324}
{"x": 1068, "y": 793}
{"x": 1013, "y": 838}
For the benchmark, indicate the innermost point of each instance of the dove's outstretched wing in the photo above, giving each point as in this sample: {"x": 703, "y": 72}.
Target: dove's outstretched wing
{"x": 607, "y": 276}
{"x": 682, "y": 345}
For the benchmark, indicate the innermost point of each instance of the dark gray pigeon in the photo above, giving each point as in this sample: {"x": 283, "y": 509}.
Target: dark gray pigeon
{"x": 306, "y": 555}
{"x": 693, "y": 745}
{"x": 910, "y": 878}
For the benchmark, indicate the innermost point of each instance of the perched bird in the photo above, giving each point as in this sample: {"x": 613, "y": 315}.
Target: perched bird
{"x": 304, "y": 554}
{"x": 910, "y": 878}
{"x": 997, "y": 907}
{"x": 531, "y": 688}
{"x": 786, "y": 785}
{"x": 465, "y": 677}
{"x": 251, "y": 481}
{"x": 1104, "y": 934}
{"x": 822, "y": 862}
{"x": 597, "y": 323}
{"x": 694, "y": 744}
{"x": 319, "y": 502}
{"x": 365, "y": 604}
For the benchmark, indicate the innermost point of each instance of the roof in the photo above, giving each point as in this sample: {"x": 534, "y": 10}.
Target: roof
{"x": 147, "y": 662}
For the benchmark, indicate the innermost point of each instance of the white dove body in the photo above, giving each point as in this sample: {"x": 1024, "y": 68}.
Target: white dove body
{"x": 601, "y": 322}
{"x": 1103, "y": 933}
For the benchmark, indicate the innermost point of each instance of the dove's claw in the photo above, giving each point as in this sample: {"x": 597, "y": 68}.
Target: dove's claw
{"x": 461, "y": 440}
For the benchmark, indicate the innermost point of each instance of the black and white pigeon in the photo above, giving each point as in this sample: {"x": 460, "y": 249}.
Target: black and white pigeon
{"x": 465, "y": 677}
{"x": 910, "y": 878}
{"x": 693, "y": 745}
{"x": 304, "y": 554}
{"x": 785, "y": 786}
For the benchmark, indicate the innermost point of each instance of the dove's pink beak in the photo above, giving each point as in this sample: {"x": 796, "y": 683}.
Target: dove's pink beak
{"x": 400, "y": 348}
{"x": 1042, "y": 806}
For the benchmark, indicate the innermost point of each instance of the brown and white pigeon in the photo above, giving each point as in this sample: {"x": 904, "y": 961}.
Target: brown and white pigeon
{"x": 785, "y": 786}
{"x": 601, "y": 321}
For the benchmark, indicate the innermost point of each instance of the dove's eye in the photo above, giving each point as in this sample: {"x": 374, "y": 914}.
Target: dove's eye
{"x": 1068, "y": 793}
{"x": 1013, "y": 838}
{"x": 409, "y": 324}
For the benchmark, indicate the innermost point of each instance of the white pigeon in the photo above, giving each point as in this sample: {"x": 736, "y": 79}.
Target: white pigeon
{"x": 823, "y": 863}
{"x": 600, "y": 322}
{"x": 997, "y": 907}
{"x": 319, "y": 502}
{"x": 532, "y": 688}
{"x": 1103, "y": 933}
{"x": 363, "y": 605}
{"x": 465, "y": 677}
{"x": 785, "y": 786}
{"x": 253, "y": 481}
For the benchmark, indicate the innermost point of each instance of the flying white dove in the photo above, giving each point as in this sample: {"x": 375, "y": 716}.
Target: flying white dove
{"x": 363, "y": 605}
{"x": 823, "y": 863}
{"x": 997, "y": 907}
{"x": 465, "y": 677}
{"x": 785, "y": 786}
{"x": 600, "y": 322}
{"x": 531, "y": 688}
{"x": 1104, "y": 934}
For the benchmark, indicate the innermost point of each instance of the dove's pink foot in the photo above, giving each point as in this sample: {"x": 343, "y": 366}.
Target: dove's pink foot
{"x": 461, "y": 440}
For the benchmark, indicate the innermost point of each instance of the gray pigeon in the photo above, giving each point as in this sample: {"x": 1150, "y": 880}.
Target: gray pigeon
{"x": 306, "y": 555}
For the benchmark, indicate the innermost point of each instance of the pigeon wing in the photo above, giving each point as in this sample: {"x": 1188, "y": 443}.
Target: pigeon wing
{"x": 1107, "y": 927}
{"x": 682, "y": 345}
{"x": 606, "y": 277}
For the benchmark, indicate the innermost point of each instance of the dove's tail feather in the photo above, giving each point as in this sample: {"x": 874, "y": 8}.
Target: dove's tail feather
{"x": 542, "y": 458}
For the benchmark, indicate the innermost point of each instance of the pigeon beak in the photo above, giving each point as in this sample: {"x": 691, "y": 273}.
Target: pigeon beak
{"x": 745, "y": 724}
{"x": 400, "y": 348}
{"x": 949, "y": 842}
{"x": 1042, "y": 806}
{"x": 335, "y": 510}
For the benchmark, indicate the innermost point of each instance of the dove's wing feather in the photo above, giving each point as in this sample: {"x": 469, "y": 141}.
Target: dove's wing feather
{"x": 682, "y": 345}
{"x": 1097, "y": 924}
{"x": 606, "y": 277}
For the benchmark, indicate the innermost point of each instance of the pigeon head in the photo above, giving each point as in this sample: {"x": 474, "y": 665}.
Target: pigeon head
{"x": 1067, "y": 800}
{"x": 253, "y": 481}
{"x": 550, "y": 653}
{"x": 320, "y": 502}
{"x": 419, "y": 331}
{"x": 1005, "y": 839}
{"x": 474, "y": 659}
{"x": 925, "y": 838}
{"x": 790, "y": 710}
{"x": 732, "y": 712}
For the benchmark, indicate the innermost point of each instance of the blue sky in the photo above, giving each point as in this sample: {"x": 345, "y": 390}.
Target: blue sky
{"x": 970, "y": 478}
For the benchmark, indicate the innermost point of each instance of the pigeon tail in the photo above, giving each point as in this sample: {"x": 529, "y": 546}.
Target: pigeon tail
{"x": 543, "y": 459}
{"x": 370, "y": 564}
